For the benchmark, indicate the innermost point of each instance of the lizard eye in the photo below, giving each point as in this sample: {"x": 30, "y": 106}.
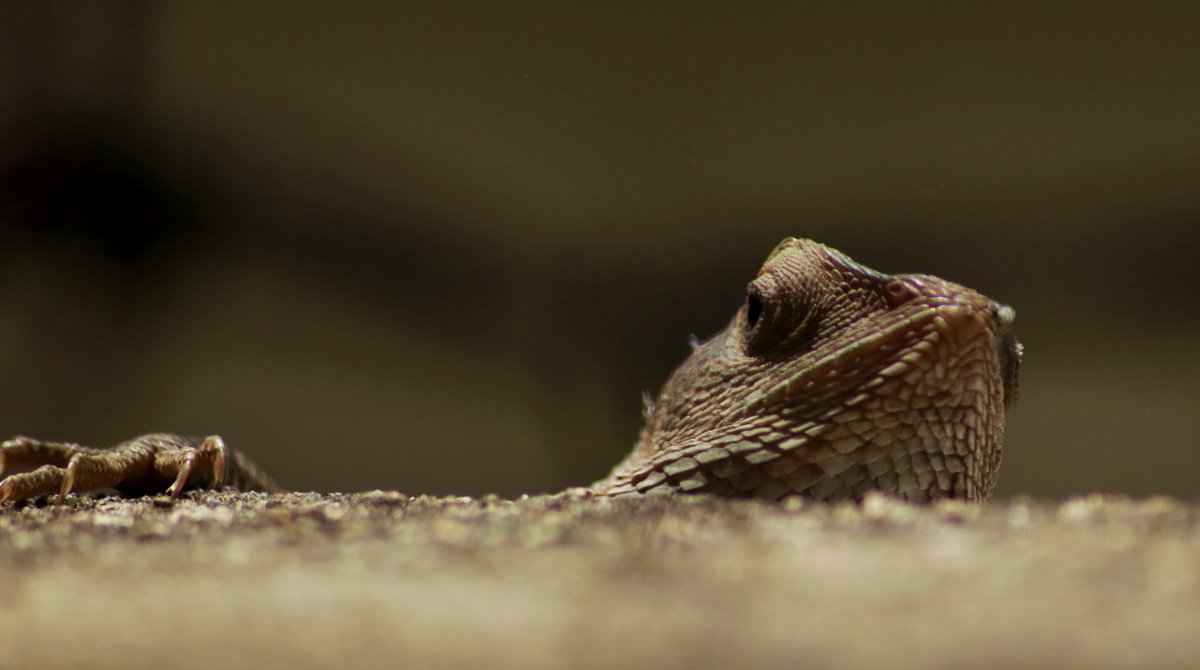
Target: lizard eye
{"x": 754, "y": 308}
{"x": 772, "y": 316}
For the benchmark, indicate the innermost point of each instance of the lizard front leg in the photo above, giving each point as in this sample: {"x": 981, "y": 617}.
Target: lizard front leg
{"x": 148, "y": 464}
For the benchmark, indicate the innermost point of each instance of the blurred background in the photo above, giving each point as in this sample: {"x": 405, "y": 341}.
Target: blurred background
{"x": 443, "y": 247}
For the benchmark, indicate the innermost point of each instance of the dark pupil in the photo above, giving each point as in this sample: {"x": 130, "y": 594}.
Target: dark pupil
{"x": 753, "y": 310}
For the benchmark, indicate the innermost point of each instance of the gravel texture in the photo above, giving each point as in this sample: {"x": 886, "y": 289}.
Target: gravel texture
{"x": 386, "y": 580}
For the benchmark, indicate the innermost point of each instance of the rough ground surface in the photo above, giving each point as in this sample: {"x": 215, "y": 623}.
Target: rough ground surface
{"x": 385, "y": 580}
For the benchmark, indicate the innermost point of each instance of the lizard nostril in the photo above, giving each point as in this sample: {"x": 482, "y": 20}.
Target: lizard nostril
{"x": 899, "y": 292}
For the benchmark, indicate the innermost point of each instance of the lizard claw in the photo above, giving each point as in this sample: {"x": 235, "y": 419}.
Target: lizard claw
{"x": 68, "y": 481}
{"x": 185, "y": 469}
{"x": 214, "y": 444}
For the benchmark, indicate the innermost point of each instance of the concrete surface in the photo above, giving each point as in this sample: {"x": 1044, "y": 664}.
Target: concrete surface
{"x": 384, "y": 580}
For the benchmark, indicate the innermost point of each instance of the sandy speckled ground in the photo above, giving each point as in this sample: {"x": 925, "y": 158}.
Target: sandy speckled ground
{"x": 385, "y": 580}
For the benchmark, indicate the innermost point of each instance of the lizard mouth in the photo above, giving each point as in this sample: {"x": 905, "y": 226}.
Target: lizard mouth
{"x": 1008, "y": 350}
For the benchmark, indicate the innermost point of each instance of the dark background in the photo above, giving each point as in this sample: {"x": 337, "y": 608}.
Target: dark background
{"x": 443, "y": 247}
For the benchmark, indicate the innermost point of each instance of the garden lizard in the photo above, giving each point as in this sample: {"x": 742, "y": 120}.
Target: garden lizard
{"x": 831, "y": 380}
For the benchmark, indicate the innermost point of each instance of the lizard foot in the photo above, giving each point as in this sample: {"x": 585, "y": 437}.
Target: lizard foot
{"x": 147, "y": 464}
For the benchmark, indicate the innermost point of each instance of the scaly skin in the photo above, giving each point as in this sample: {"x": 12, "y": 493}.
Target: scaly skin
{"x": 154, "y": 463}
{"x": 832, "y": 380}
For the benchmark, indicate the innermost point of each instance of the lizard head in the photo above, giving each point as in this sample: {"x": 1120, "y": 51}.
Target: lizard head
{"x": 830, "y": 361}
{"x": 809, "y": 302}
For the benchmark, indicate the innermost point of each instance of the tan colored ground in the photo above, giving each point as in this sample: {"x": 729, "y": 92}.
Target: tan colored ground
{"x": 384, "y": 580}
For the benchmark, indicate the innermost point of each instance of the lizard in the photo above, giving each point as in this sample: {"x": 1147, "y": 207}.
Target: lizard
{"x": 831, "y": 380}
